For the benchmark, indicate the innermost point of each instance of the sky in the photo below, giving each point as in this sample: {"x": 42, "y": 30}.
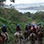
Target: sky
{"x": 24, "y": 1}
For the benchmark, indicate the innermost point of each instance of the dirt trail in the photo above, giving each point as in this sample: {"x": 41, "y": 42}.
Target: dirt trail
{"x": 28, "y": 42}
{"x": 36, "y": 42}
{"x": 34, "y": 22}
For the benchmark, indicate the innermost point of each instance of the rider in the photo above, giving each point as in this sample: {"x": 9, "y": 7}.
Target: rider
{"x": 26, "y": 27}
{"x": 29, "y": 27}
{"x": 37, "y": 26}
{"x": 18, "y": 29}
{"x": 26, "y": 31}
{"x": 4, "y": 30}
{"x": 34, "y": 29}
{"x": 40, "y": 27}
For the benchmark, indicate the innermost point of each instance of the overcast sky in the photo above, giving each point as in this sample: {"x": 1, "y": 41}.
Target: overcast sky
{"x": 25, "y": 1}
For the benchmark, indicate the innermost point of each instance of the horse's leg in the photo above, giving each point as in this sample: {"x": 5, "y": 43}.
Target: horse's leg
{"x": 20, "y": 41}
{"x": 6, "y": 42}
{"x": 39, "y": 41}
{"x": 31, "y": 42}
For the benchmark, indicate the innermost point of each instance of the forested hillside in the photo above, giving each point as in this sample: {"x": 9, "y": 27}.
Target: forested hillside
{"x": 11, "y": 17}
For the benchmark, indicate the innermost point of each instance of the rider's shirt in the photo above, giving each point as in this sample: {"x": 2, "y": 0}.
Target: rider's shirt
{"x": 41, "y": 28}
{"x": 26, "y": 28}
{"x": 4, "y": 30}
{"x": 18, "y": 29}
{"x": 34, "y": 30}
{"x": 29, "y": 27}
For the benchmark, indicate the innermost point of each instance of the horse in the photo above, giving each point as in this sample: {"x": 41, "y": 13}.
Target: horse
{"x": 32, "y": 38}
{"x": 26, "y": 34}
{"x": 1, "y": 40}
{"x": 5, "y": 37}
{"x": 40, "y": 37}
{"x": 18, "y": 37}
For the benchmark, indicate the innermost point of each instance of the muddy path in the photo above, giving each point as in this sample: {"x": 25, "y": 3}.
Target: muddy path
{"x": 27, "y": 42}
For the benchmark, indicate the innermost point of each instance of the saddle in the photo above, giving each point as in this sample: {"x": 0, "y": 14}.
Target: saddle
{"x": 4, "y": 35}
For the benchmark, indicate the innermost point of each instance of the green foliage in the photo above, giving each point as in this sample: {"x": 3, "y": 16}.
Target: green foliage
{"x": 11, "y": 17}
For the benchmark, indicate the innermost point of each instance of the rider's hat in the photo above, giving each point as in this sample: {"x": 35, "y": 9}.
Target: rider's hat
{"x": 17, "y": 25}
{"x": 39, "y": 23}
{"x": 3, "y": 25}
{"x": 25, "y": 24}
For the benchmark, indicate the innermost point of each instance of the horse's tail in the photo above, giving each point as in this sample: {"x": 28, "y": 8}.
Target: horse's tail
{"x": 32, "y": 37}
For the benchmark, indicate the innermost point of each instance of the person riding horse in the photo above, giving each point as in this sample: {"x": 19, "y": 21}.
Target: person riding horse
{"x": 26, "y": 31}
{"x": 33, "y": 29}
{"x": 33, "y": 36}
{"x": 4, "y": 33}
{"x": 18, "y": 34}
{"x": 39, "y": 27}
{"x": 18, "y": 29}
{"x": 1, "y": 37}
{"x": 40, "y": 37}
{"x": 29, "y": 27}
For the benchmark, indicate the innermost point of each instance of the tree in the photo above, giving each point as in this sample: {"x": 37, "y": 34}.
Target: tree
{"x": 28, "y": 14}
{"x": 1, "y": 3}
{"x": 12, "y": 0}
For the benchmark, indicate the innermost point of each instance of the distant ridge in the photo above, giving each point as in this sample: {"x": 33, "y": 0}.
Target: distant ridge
{"x": 33, "y": 6}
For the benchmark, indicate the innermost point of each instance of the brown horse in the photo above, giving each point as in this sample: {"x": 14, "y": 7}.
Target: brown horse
{"x": 18, "y": 37}
{"x": 32, "y": 38}
{"x": 40, "y": 37}
{"x": 5, "y": 37}
{"x": 1, "y": 40}
{"x": 26, "y": 34}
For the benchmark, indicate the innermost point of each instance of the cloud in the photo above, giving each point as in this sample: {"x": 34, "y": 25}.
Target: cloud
{"x": 28, "y": 1}
{"x": 24, "y": 1}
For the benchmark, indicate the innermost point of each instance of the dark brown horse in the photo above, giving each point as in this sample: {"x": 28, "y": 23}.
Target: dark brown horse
{"x": 1, "y": 40}
{"x": 26, "y": 34}
{"x": 40, "y": 37}
{"x": 18, "y": 37}
{"x": 5, "y": 38}
{"x": 32, "y": 38}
